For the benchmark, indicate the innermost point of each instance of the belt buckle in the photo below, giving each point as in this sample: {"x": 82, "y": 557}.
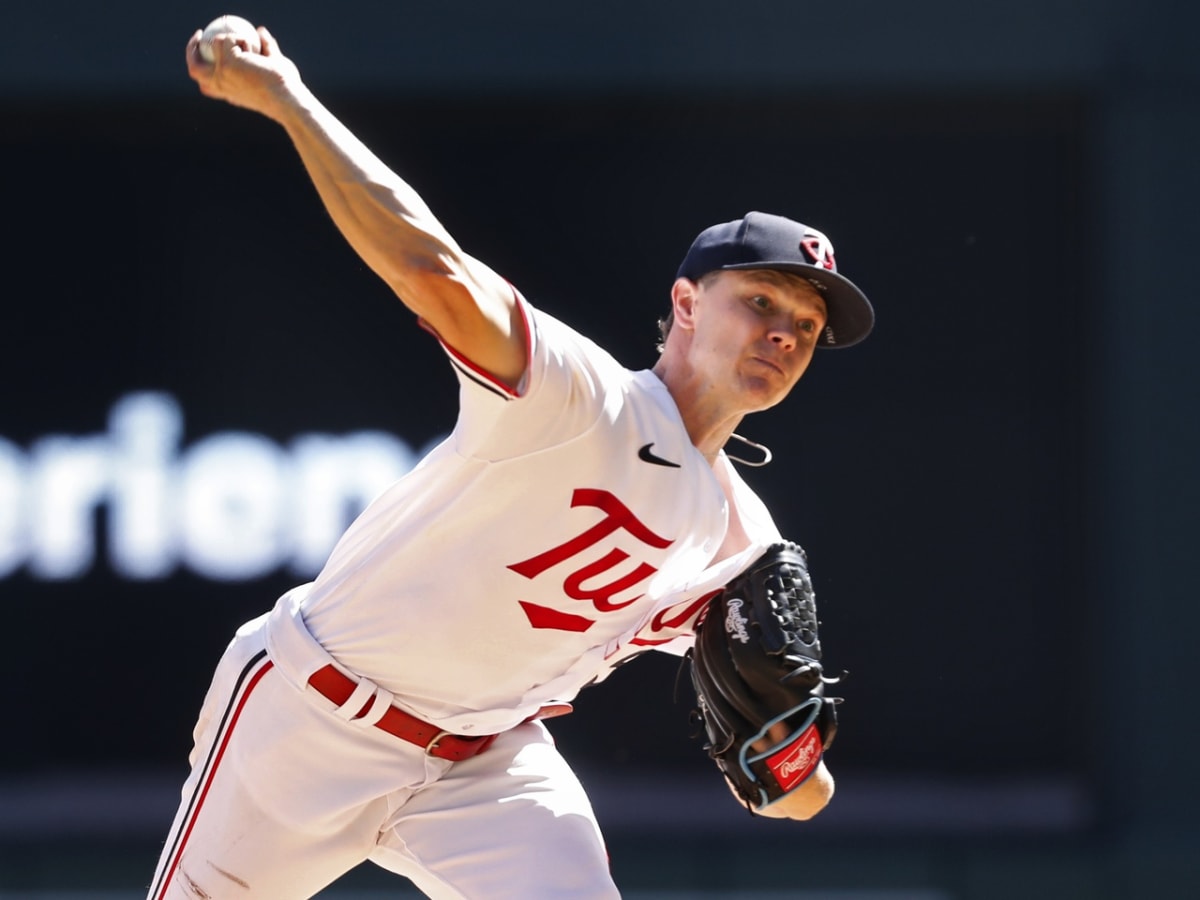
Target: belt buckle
{"x": 432, "y": 745}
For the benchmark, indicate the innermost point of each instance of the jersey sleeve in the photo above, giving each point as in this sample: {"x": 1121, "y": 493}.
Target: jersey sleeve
{"x": 568, "y": 380}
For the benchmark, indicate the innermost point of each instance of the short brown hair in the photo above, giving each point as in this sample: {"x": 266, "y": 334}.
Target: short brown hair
{"x": 777, "y": 276}
{"x": 665, "y": 322}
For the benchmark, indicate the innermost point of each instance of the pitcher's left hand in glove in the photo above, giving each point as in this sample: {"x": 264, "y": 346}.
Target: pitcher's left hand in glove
{"x": 756, "y": 669}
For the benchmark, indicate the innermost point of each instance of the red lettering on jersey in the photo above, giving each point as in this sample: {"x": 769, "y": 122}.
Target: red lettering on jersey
{"x": 545, "y": 617}
{"x": 602, "y": 596}
{"x": 617, "y": 517}
{"x": 673, "y": 618}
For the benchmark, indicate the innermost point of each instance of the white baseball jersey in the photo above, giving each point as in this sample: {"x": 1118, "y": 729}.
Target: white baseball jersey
{"x": 559, "y": 529}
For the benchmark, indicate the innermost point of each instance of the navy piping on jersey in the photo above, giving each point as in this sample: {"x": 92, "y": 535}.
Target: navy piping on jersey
{"x": 482, "y": 382}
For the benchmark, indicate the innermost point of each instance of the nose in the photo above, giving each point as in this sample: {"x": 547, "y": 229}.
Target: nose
{"x": 783, "y": 337}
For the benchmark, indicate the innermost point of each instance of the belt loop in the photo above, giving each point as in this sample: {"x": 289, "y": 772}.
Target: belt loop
{"x": 357, "y": 700}
{"x": 380, "y": 704}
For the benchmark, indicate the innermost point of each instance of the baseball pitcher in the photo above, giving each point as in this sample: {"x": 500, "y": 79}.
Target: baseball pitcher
{"x": 579, "y": 513}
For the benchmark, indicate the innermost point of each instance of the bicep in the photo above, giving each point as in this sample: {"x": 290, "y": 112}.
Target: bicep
{"x": 473, "y": 311}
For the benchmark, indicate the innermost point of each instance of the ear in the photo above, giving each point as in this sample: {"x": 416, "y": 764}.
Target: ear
{"x": 683, "y": 301}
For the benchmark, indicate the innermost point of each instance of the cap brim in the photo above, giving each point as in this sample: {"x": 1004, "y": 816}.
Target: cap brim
{"x": 850, "y": 314}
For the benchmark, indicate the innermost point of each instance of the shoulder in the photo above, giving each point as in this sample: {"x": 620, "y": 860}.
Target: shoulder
{"x": 556, "y": 336}
{"x": 564, "y": 358}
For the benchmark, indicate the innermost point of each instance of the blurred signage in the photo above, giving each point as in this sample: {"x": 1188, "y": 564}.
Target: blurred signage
{"x": 232, "y": 505}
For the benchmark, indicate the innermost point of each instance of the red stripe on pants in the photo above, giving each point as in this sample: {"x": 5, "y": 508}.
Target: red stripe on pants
{"x": 214, "y": 764}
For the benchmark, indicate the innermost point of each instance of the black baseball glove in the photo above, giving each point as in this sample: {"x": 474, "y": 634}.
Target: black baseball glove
{"x": 756, "y": 669}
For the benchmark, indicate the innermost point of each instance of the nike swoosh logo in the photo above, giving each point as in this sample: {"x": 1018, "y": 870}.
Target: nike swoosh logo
{"x": 645, "y": 455}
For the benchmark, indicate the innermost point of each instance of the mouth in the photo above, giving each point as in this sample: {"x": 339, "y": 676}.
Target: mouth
{"x": 762, "y": 360}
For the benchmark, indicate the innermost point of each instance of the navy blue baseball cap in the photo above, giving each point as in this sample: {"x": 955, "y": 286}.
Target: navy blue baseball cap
{"x": 765, "y": 241}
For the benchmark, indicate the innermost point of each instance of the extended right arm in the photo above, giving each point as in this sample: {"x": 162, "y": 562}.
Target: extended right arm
{"x": 468, "y": 305}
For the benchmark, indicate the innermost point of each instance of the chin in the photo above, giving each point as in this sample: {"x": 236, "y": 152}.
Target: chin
{"x": 771, "y": 403}
{"x": 761, "y": 389}
{"x": 763, "y": 396}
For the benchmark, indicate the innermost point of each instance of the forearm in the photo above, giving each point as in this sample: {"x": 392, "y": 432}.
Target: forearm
{"x": 382, "y": 217}
{"x": 385, "y": 221}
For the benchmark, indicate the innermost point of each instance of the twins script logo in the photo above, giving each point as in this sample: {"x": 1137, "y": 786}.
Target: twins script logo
{"x": 672, "y": 622}
{"x": 735, "y": 622}
{"x": 582, "y": 583}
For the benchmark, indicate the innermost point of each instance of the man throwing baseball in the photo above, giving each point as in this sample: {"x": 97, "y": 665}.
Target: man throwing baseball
{"x": 579, "y": 513}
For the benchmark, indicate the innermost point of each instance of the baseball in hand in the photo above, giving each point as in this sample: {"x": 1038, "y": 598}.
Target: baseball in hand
{"x": 234, "y": 25}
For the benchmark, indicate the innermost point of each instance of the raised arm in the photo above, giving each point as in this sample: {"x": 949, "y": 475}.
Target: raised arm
{"x": 470, "y": 307}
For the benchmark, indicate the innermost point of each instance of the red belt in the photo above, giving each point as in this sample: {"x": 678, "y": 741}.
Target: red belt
{"x": 333, "y": 685}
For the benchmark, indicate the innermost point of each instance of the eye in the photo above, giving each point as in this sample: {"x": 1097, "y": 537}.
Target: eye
{"x": 808, "y": 326}
{"x": 761, "y": 301}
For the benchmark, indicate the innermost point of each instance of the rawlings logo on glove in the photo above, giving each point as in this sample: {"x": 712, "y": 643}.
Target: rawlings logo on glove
{"x": 756, "y": 669}
{"x": 735, "y": 624}
{"x": 792, "y": 765}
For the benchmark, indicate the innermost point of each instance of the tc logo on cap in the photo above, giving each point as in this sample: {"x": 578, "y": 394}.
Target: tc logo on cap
{"x": 818, "y": 248}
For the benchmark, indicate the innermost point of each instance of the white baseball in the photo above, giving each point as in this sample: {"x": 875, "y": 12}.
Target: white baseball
{"x": 235, "y": 25}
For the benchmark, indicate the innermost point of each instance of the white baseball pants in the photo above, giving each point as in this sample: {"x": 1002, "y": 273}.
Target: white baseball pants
{"x": 284, "y": 797}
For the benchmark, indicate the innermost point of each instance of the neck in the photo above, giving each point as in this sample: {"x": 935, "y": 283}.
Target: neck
{"x": 708, "y": 426}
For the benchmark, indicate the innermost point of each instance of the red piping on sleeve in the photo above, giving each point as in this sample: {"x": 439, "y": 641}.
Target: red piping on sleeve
{"x": 483, "y": 374}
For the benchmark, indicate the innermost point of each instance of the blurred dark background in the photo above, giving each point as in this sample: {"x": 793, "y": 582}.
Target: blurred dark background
{"x": 996, "y": 491}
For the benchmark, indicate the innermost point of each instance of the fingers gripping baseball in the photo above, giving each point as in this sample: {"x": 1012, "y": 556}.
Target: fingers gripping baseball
{"x": 243, "y": 67}
{"x": 240, "y": 30}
